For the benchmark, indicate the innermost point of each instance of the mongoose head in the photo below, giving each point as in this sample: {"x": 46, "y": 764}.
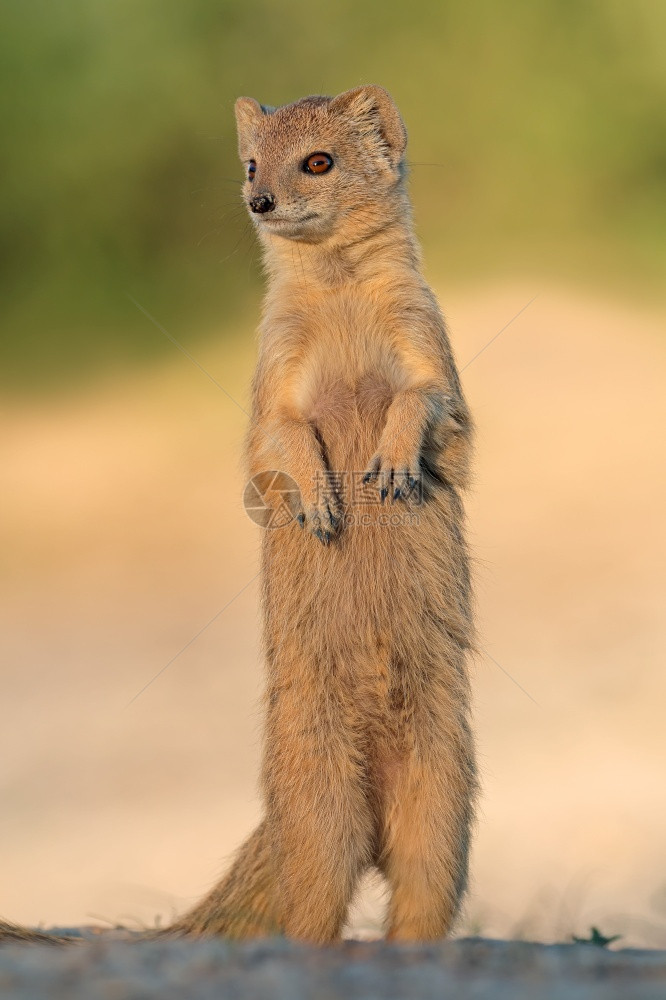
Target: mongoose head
{"x": 322, "y": 168}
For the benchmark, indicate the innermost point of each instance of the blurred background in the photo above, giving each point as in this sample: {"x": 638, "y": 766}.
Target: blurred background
{"x": 129, "y": 662}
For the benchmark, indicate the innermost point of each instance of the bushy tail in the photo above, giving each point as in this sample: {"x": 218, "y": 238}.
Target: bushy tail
{"x": 242, "y": 904}
{"x": 13, "y": 933}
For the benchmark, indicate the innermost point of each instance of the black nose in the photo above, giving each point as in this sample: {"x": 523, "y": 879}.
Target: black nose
{"x": 262, "y": 203}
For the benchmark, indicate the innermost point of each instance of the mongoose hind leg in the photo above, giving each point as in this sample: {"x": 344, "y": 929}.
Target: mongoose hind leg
{"x": 427, "y": 820}
{"x": 320, "y": 821}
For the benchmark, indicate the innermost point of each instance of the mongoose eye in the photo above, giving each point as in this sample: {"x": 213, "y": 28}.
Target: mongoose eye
{"x": 317, "y": 163}
{"x": 251, "y": 170}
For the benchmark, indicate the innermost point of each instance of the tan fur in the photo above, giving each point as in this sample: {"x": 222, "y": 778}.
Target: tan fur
{"x": 368, "y": 754}
{"x": 13, "y": 934}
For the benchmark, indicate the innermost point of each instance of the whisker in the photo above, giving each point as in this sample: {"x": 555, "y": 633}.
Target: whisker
{"x": 238, "y": 244}
{"x": 416, "y": 163}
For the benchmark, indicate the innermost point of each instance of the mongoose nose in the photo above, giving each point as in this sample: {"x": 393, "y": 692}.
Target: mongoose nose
{"x": 262, "y": 203}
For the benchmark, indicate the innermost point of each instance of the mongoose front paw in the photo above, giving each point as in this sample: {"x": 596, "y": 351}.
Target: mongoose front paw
{"x": 322, "y": 519}
{"x": 395, "y": 477}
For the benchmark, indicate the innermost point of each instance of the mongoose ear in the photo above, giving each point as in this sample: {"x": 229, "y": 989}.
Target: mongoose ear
{"x": 376, "y": 117}
{"x": 248, "y": 113}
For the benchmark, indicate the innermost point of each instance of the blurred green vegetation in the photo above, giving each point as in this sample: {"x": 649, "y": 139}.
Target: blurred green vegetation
{"x": 537, "y": 138}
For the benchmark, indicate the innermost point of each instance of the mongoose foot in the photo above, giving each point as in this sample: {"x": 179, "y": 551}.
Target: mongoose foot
{"x": 323, "y": 519}
{"x": 395, "y": 480}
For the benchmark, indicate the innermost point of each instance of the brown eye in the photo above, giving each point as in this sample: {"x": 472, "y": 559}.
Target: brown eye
{"x": 318, "y": 163}
{"x": 251, "y": 170}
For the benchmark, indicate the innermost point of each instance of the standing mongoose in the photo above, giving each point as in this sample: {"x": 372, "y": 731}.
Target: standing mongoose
{"x": 367, "y": 618}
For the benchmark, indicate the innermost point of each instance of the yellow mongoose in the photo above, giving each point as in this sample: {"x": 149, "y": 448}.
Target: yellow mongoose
{"x": 368, "y": 755}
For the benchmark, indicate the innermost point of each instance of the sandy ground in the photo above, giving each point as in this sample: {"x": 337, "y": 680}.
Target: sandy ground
{"x": 124, "y": 543}
{"x": 277, "y": 970}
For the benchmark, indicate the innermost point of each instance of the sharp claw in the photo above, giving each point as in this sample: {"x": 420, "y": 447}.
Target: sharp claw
{"x": 368, "y": 476}
{"x": 301, "y": 519}
{"x": 414, "y": 489}
{"x": 397, "y": 494}
{"x": 383, "y": 493}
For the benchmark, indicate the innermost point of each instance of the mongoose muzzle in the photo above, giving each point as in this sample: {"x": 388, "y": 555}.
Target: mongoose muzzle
{"x": 262, "y": 203}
